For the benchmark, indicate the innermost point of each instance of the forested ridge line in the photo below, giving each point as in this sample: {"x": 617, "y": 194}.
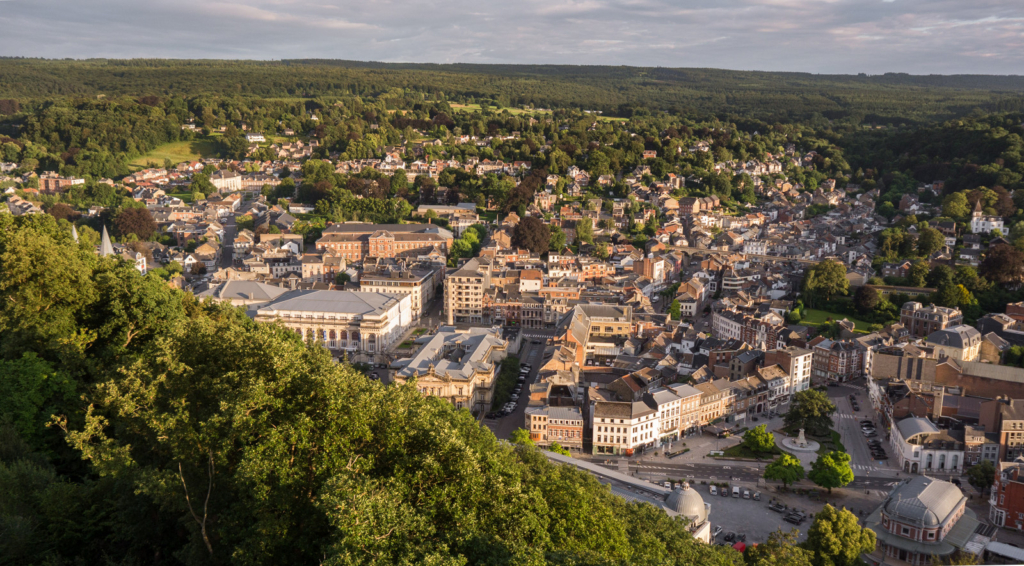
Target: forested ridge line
{"x": 618, "y": 90}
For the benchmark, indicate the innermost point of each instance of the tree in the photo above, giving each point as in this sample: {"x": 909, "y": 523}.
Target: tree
{"x": 939, "y": 275}
{"x": 786, "y": 469}
{"x": 812, "y": 411}
{"x": 831, "y": 470}
{"x": 521, "y": 436}
{"x": 780, "y": 549}
{"x": 837, "y": 539}
{"x": 601, "y": 251}
{"x": 585, "y": 230}
{"x": 759, "y": 440}
{"x": 826, "y": 280}
{"x": 981, "y": 475}
{"x": 201, "y": 184}
{"x": 865, "y": 299}
{"x": 557, "y": 449}
{"x": 1003, "y": 264}
{"x": 136, "y": 221}
{"x": 929, "y": 240}
{"x": 675, "y": 310}
{"x": 956, "y": 206}
{"x": 532, "y": 234}
{"x": 61, "y": 211}
{"x": 918, "y": 275}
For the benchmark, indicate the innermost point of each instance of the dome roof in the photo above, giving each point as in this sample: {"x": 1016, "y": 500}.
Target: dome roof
{"x": 923, "y": 501}
{"x": 688, "y": 503}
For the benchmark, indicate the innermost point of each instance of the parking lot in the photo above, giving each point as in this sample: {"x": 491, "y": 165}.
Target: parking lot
{"x": 749, "y": 517}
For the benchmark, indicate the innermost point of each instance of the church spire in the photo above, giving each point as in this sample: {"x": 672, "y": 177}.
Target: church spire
{"x": 105, "y": 246}
{"x": 74, "y": 233}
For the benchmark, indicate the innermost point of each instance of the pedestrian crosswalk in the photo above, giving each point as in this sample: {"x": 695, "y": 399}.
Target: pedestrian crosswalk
{"x": 863, "y": 468}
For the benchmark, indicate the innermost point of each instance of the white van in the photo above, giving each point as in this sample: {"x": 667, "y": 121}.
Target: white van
{"x": 735, "y": 491}
{"x": 714, "y": 490}
{"x": 746, "y": 494}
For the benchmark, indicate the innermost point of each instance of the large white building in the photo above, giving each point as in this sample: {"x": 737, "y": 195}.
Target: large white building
{"x": 982, "y": 224}
{"x": 923, "y": 448}
{"x": 342, "y": 320}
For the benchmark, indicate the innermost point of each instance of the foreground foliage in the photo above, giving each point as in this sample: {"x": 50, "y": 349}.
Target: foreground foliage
{"x": 186, "y": 433}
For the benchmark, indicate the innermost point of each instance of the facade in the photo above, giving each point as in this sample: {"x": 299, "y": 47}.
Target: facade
{"x": 54, "y": 183}
{"x": 356, "y": 241}
{"x": 464, "y": 291}
{"x": 922, "y": 321}
{"x": 1006, "y": 501}
{"x": 838, "y": 361}
{"x": 459, "y": 366}
{"x": 982, "y": 223}
{"x": 226, "y": 181}
{"x": 923, "y": 448}
{"x": 563, "y": 425}
{"x": 796, "y": 362}
{"x": 419, "y": 284}
{"x": 341, "y": 320}
{"x": 922, "y": 518}
{"x": 962, "y": 343}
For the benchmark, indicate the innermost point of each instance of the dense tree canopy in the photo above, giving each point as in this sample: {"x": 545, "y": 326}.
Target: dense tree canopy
{"x": 186, "y": 432}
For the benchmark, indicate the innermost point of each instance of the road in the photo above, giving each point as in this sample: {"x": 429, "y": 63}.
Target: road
{"x": 227, "y": 248}
{"x": 726, "y": 471}
{"x": 533, "y": 354}
{"x": 847, "y": 423}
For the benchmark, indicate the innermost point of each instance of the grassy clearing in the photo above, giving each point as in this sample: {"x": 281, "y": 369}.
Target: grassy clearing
{"x": 187, "y": 197}
{"x": 741, "y": 451}
{"x": 512, "y": 111}
{"x": 812, "y": 317}
{"x": 176, "y": 152}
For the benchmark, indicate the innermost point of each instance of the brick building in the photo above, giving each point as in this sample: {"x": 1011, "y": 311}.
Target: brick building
{"x": 922, "y": 321}
{"x": 1006, "y": 501}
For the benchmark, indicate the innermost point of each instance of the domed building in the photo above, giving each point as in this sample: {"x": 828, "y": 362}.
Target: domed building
{"x": 921, "y": 518}
{"x": 686, "y": 502}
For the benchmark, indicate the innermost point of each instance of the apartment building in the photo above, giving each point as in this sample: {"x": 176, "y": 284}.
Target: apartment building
{"x": 1006, "y": 501}
{"x": 796, "y": 362}
{"x": 419, "y": 283}
{"x": 464, "y": 292}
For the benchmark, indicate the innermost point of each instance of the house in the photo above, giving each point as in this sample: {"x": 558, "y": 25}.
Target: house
{"x": 982, "y": 223}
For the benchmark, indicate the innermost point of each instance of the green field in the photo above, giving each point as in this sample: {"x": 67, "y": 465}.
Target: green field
{"x": 517, "y": 111}
{"x": 814, "y": 317}
{"x": 176, "y": 152}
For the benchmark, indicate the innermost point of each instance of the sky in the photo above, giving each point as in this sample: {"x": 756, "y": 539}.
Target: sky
{"x": 817, "y": 36}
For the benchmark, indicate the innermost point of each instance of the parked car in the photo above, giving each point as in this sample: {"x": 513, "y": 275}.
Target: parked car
{"x": 714, "y": 490}
{"x": 867, "y": 423}
{"x": 853, "y": 397}
{"x": 794, "y": 518}
{"x": 746, "y": 494}
{"x": 724, "y": 492}
{"x": 757, "y": 496}
{"x": 717, "y": 531}
{"x": 735, "y": 491}
{"x": 776, "y": 506}
{"x": 729, "y": 537}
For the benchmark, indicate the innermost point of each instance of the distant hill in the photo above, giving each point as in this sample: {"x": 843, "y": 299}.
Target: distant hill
{"x": 771, "y": 96}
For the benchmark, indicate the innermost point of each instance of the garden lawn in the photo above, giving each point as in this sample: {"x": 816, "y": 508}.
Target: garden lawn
{"x": 176, "y": 152}
{"x": 813, "y": 317}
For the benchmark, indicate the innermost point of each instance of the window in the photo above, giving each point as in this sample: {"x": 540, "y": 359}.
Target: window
{"x": 905, "y": 531}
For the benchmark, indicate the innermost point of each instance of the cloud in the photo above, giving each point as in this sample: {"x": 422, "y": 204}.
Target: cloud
{"x": 821, "y": 36}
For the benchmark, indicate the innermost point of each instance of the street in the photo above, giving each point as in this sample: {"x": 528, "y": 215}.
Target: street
{"x": 227, "y": 248}
{"x": 532, "y": 354}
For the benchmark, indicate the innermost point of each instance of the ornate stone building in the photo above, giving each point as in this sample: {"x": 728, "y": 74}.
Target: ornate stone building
{"x": 356, "y": 241}
{"x": 342, "y": 320}
{"x": 460, "y": 366}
